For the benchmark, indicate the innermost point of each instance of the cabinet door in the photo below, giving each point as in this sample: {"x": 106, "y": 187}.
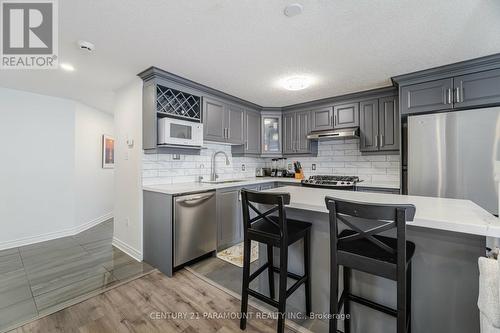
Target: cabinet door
{"x": 214, "y": 117}
{"x": 427, "y": 96}
{"x": 229, "y": 225}
{"x": 234, "y": 124}
{"x": 477, "y": 89}
{"x": 368, "y": 125}
{"x": 388, "y": 123}
{"x": 289, "y": 133}
{"x": 346, "y": 115}
{"x": 271, "y": 135}
{"x": 322, "y": 119}
{"x": 252, "y": 132}
{"x": 302, "y": 128}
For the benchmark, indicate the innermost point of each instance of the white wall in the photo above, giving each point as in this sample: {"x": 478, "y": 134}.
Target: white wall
{"x": 38, "y": 174}
{"x": 94, "y": 185}
{"x": 128, "y": 167}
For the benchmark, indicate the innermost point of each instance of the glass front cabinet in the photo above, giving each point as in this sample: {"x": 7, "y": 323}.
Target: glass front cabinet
{"x": 271, "y": 133}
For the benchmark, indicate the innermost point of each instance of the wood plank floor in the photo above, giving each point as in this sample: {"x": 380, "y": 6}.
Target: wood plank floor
{"x": 142, "y": 305}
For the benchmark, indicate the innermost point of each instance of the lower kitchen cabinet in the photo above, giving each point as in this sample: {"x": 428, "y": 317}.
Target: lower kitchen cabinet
{"x": 229, "y": 218}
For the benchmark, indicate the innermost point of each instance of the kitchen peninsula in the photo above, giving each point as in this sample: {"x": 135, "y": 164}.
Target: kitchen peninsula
{"x": 449, "y": 234}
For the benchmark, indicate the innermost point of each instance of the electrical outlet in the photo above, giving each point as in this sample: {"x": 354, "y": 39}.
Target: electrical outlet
{"x": 313, "y": 167}
{"x": 176, "y": 156}
{"x": 243, "y": 167}
{"x": 127, "y": 222}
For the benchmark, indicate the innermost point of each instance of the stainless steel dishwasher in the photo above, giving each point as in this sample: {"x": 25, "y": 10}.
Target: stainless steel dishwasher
{"x": 195, "y": 226}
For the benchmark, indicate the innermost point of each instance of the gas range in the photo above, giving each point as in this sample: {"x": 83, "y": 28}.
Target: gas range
{"x": 332, "y": 182}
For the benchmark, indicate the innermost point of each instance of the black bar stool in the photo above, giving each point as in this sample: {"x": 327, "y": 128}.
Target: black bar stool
{"x": 273, "y": 230}
{"x": 364, "y": 250}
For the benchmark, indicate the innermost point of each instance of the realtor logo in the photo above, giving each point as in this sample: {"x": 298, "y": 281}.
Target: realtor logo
{"x": 29, "y": 34}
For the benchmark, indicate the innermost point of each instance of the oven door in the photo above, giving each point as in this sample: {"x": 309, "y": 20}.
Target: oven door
{"x": 179, "y": 132}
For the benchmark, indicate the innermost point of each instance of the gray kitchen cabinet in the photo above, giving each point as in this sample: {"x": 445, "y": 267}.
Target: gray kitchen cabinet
{"x": 302, "y": 128}
{"x": 377, "y": 190}
{"x": 477, "y": 89}
{"x": 214, "y": 120}
{"x": 289, "y": 133}
{"x": 222, "y": 122}
{"x": 322, "y": 119}
{"x": 379, "y": 125}
{"x": 346, "y": 115}
{"x": 229, "y": 218}
{"x": 251, "y": 135}
{"x": 271, "y": 133}
{"x": 252, "y": 132}
{"x": 428, "y": 96}
{"x": 368, "y": 125}
{"x": 296, "y": 127}
{"x": 388, "y": 118}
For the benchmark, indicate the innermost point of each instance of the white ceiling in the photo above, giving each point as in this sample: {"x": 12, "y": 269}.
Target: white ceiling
{"x": 244, "y": 47}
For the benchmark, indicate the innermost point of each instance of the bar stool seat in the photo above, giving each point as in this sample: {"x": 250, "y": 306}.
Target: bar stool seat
{"x": 271, "y": 233}
{"x": 367, "y": 249}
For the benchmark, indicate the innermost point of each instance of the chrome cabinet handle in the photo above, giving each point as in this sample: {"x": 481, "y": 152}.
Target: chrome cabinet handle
{"x": 376, "y": 141}
{"x": 458, "y": 95}
{"x": 449, "y": 96}
{"x": 228, "y": 132}
{"x": 381, "y": 140}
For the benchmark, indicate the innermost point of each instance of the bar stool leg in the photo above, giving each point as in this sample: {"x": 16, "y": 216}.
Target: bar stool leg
{"x": 334, "y": 304}
{"x": 282, "y": 289}
{"x": 246, "y": 283}
{"x": 307, "y": 271}
{"x": 347, "y": 291}
{"x": 270, "y": 271}
{"x": 401, "y": 300}
{"x": 408, "y": 297}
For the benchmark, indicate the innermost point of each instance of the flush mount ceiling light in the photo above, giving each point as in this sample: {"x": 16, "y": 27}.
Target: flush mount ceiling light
{"x": 293, "y": 9}
{"x": 67, "y": 67}
{"x": 296, "y": 83}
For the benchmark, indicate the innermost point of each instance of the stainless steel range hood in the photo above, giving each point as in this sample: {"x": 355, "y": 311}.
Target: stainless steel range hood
{"x": 341, "y": 133}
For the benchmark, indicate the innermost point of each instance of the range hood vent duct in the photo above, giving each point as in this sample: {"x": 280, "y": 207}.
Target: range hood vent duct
{"x": 342, "y": 133}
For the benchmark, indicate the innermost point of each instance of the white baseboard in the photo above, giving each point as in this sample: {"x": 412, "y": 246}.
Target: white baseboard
{"x": 54, "y": 235}
{"x": 134, "y": 253}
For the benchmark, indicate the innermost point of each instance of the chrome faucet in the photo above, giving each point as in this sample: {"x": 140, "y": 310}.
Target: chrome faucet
{"x": 213, "y": 174}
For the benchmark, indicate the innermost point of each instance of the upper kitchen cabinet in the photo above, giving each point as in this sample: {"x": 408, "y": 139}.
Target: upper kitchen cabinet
{"x": 468, "y": 84}
{"x": 368, "y": 125}
{"x": 428, "y": 96}
{"x": 235, "y": 124}
{"x": 477, "y": 89}
{"x": 271, "y": 133}
{"x": 296, "y": 127}
{"x": 388, "y": 119}
{"x": 379, "y": 124}
{"x": 322, "y": 119}
{"x": 346, "y": 115}
{"x": 222, "y": 122}
{"x": 251, "y": 135}
{"x": 214, "y": 120}
{"x": 338, "y": 116}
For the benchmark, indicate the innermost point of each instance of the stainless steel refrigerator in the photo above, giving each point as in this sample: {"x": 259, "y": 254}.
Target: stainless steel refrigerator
{"x": 453, "y": 155}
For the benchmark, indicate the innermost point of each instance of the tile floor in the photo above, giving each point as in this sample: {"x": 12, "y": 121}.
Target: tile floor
{"x": 42, "y": 278}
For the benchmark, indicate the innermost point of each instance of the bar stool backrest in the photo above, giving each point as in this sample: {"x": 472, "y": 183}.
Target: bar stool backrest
{"x": 383, "y": 216}
{"x": 273, "y": 202}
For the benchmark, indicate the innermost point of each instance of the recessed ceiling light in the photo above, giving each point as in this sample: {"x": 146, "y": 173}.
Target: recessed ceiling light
{"x": 296, "y": 83}
{"x": 67, "y": 67}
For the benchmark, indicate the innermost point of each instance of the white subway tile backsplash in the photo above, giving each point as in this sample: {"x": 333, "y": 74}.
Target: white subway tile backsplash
{"x": 341, "y": 157}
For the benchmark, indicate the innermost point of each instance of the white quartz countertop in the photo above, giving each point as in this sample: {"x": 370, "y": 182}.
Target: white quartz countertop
{"x": 456, "y": 215}
{"x": 182, "y": 188}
